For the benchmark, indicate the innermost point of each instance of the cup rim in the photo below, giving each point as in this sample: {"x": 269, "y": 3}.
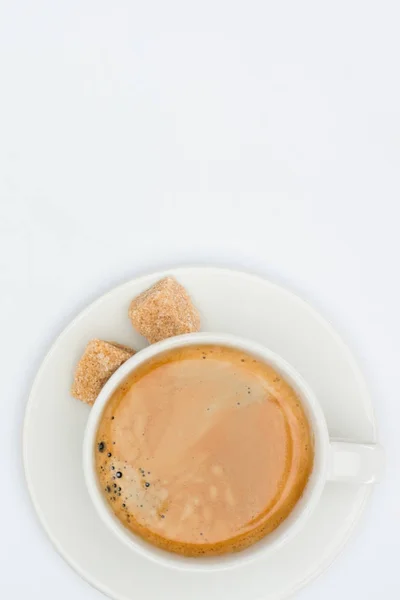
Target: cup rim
{"x": 272, "y": 541}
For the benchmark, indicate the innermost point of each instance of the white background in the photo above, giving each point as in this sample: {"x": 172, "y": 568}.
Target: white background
{"x": 259, "y": 134}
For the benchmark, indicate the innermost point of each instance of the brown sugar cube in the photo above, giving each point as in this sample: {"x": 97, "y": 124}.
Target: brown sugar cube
{"x": 164, "y": 310}
{"x": 99, "y": 361}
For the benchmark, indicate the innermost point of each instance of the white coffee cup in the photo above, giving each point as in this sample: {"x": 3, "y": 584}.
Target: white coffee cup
{"x": 333, "y": 461}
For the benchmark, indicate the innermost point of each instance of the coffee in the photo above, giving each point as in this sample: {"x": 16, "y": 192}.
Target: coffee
{"x": 203, "y": 450}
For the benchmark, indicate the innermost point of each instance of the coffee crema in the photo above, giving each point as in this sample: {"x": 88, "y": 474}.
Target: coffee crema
{"x": 203, "y": 450}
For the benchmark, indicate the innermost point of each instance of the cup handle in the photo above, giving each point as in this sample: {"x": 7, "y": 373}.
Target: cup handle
{"x": 355, "y": 463}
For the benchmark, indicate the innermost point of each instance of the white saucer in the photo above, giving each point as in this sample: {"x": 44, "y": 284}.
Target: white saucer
{"x": 231, "y": 302}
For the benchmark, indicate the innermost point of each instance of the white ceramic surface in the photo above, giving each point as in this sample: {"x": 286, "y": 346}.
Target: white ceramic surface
{"x": 55, "y": 423}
